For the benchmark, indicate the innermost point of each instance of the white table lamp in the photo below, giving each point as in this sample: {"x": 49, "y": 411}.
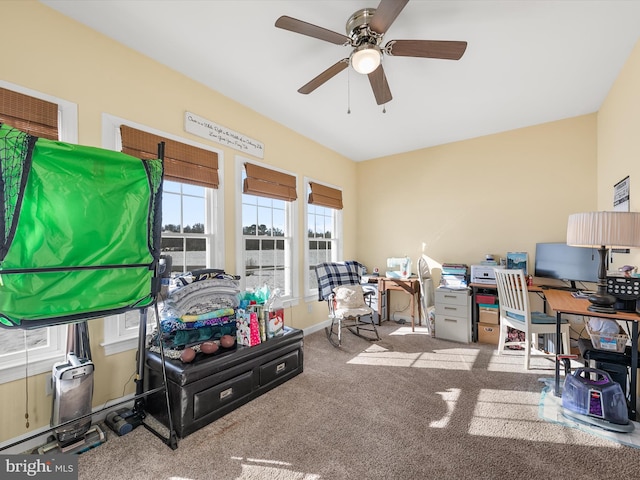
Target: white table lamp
{"x": 603, "y": 230}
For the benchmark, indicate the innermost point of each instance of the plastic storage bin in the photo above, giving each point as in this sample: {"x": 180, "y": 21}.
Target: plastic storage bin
{"x": 608, "y": 341}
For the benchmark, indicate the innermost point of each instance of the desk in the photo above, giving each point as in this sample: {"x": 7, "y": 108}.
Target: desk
{"x": 563, "y": 302}
{"x": 410, "y": 286}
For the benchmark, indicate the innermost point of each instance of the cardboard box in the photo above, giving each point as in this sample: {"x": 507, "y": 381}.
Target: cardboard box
{"x": 488, "y": 333}
{"x": 489, "y": 314}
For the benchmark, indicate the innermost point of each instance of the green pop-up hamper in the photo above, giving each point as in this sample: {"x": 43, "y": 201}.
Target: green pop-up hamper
{"x": 79, "y": 231}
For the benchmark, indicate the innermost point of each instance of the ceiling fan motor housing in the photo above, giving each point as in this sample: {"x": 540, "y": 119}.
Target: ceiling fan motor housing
{"x": 358, "y": 28}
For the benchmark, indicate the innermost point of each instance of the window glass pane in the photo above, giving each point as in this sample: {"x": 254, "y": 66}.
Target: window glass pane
{"x": 196, "y": 254}
{"x": 169, "y": 186}
{"x": 264, "y": 201}
{"x": 196, "y": 190}
{"x": 265, "y": 222}
{"x": 193, "y": 218}
{"x": 13, "y": 341}
{"x": 249, "y": 219}
{"x": 328, "y": 227}
{"x": 278, "y": 223}
{"x": 313, "y": 279}
{"x": 174, "y": 246}
{"x": 170, "y": 212}
{"x": 249, "y": 199}
{"x": 171, "y": 245}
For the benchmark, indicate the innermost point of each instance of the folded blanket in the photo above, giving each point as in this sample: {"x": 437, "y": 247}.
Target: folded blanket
{"x": 222, "y": 312}
{"x": 173, "y": 325}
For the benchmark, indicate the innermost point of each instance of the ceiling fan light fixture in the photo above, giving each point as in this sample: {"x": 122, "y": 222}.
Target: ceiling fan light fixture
{"x": 366, "y": 58}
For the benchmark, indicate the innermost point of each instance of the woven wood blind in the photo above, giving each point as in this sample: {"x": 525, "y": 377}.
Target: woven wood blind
{"x": 265, "y": 182}
{"x": 32, "y": 115}
{"x": 325, "y": 196}
{"x": 182, "y": 163}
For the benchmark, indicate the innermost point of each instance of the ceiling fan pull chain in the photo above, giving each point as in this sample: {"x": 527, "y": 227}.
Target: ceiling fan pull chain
{"x": 348, "y": 92}
{"x": 384, "y": 105}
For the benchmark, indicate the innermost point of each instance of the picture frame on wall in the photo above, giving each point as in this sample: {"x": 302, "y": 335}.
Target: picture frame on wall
{"x": 621, "y": 204}
{"x": 516, "y": 260}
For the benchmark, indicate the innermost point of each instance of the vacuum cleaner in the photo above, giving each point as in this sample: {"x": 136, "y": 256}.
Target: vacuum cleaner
{"x": 72, "y": 397}
{"x": 591, "y": 397}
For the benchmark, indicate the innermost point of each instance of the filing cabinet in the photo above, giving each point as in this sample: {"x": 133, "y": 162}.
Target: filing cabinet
{"x": 453, "y": 315}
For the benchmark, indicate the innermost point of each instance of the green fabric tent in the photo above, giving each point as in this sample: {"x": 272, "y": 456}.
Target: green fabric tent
{"x": 79, "y": 231}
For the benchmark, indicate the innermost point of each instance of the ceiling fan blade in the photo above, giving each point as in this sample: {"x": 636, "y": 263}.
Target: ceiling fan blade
{"x": 329, "y": 73}
{"x": 380, "y": 86}
{"x": 448, "y": 50}
{"x": 385, "y": 14}
{"x": 298, "y": 26}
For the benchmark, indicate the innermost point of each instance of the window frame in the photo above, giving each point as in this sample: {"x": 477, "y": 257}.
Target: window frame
{"x": 291, "y": 215}
{"x": 40, "y": 360}
{"x": 118, "y": 338}
{"x": 337, "y": 253}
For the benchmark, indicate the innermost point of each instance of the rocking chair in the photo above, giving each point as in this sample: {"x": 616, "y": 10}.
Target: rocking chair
{"x": 339, "y": 286}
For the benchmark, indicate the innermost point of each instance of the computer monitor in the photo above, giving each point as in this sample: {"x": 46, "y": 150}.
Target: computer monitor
{"x": 563, "y": 262}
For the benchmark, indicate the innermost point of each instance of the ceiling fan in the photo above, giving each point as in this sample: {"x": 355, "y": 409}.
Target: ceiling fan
{"x": 365, "y": 29}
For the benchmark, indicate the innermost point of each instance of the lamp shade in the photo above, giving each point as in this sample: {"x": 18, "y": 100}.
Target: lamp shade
{"x": 366, "y": 58}
{"x": 610, "y": 229}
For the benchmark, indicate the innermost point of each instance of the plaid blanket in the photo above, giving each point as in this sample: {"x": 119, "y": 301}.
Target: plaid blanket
{"x": 333, "y": 274}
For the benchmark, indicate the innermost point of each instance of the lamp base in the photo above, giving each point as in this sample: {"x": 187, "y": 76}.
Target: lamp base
{"x": 601, "y": 309}
{"x": 602, "y": 303}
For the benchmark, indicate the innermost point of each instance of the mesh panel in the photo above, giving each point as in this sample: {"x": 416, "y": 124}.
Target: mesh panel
{"x": 14, "y": 152}
{"x": 154, "y": 169}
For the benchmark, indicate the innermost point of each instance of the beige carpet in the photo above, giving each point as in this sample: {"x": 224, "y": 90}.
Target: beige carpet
{"x": 407, "y": 407}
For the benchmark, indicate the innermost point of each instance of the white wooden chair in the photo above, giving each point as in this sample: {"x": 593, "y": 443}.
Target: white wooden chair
{"x": 427, "y": 293}
{"x": 515, "y": 312}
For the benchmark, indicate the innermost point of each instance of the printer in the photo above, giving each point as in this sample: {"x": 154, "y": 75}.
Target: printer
{"x": 484, "y": 274}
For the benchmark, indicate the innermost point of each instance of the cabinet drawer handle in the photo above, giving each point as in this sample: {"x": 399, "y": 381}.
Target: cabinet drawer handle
{"x": 449, "y": 296}
{"x": 451, "y": 320}
{"x": 225, "y": 393}
{"x": 451, "y": 308}
{"x": 281, "y": 367}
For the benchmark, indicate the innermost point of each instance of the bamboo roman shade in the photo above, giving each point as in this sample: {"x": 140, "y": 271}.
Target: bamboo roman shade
{"x": 182, "y": 163}
{"x": 32, "y": 115}
{"x": 265, "y": 182}
{"x": 325, "y": 196}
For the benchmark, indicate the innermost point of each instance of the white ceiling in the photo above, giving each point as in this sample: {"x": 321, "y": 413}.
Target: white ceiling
{"x": 527, "y": 62}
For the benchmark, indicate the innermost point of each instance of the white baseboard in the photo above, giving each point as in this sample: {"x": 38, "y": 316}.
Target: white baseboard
{"x": 33, "y": 443}
{"x": 316, "y": 327}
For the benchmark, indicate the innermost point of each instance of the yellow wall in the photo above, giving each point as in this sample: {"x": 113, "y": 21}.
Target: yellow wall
{"x": 619, "y": 143}
{"x": 493, "y": 194}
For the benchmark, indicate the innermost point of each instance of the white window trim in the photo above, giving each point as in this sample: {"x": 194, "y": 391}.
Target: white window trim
{"x": 117, "y": 338}
{"x": 291, "y": 218}
{"x": 312, "y": 294}
{"x": 41, "y": 360}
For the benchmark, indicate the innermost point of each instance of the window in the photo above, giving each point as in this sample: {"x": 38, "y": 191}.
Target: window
{"x": 323, "y": 224}
{"x": 192, "y": 212}
{"x": 267, "y": 213}
{"x": 48, "y": 117}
